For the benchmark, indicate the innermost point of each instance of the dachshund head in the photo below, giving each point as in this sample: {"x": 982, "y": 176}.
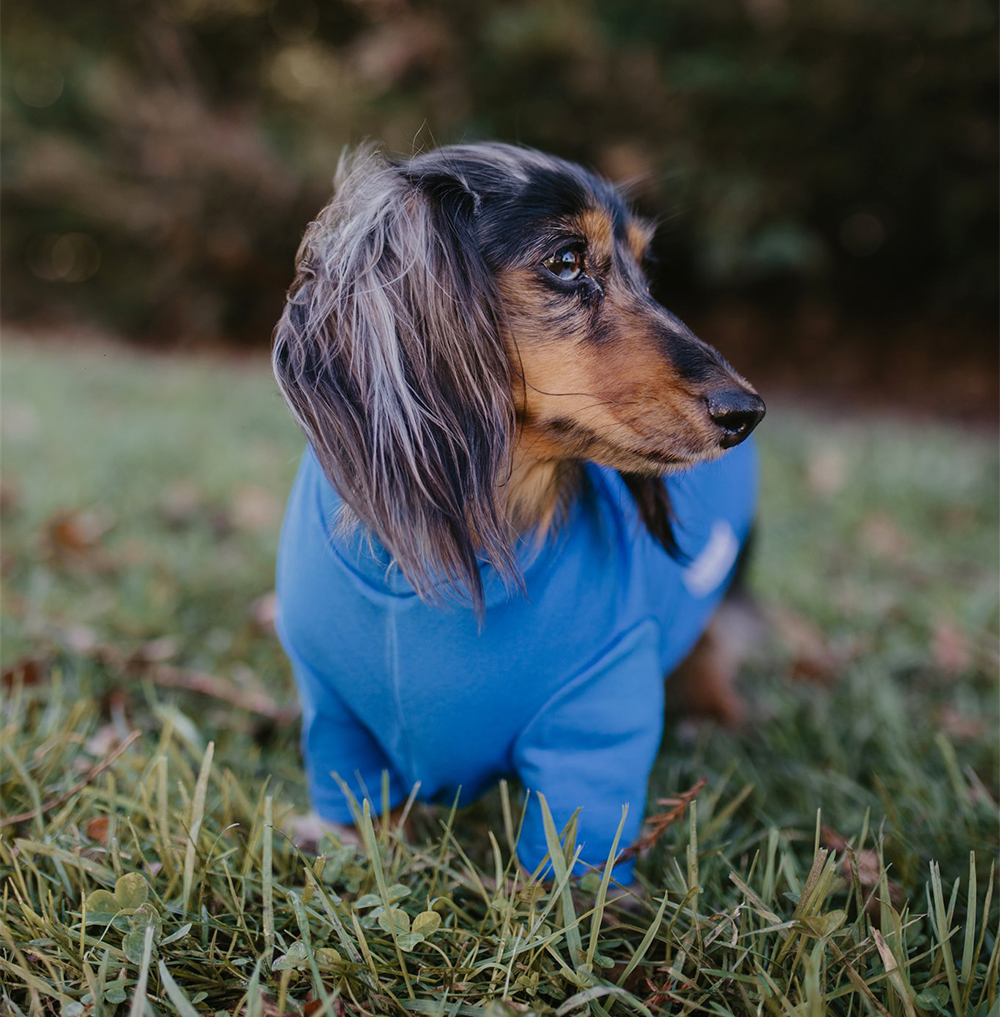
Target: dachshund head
{"x": 464, "y": 329}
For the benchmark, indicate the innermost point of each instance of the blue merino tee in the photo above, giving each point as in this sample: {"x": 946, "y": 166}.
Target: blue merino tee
{"x": 561, "y": 686}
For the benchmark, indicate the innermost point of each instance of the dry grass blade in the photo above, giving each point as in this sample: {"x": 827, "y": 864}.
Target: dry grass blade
{"x": 893, "y": 971}
{"x": 23, "y": 817}
{"x": 267, "y": 878}
{"x": 739, "y": 912}
{"x": 659, "y": 822}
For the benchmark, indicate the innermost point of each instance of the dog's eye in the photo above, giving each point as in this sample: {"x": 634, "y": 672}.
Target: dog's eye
{"x": 566, "y": 264}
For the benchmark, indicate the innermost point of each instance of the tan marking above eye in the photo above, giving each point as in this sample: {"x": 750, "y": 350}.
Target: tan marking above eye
{"x": 596, "y": 226}
{"x": 639, "y": 233}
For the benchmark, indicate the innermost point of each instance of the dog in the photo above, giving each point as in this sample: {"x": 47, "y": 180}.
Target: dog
{"x": 524, "y": 492}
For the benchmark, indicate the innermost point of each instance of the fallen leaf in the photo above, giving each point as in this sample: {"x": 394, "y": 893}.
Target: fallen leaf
{"x": 869, "y": 870}
{"x": 79, "y": 638}
{"x": 883, "y": 537}
{"x": 247, "y": 691}
{"x": 222, "y": 524}
{"x": 255, "y": 508}
{"x": 157, "y": 650}
{"x": 77, "y": 532}
{"x": 950, "y": 647}
{"x": 97, "y": 829}
{"x": 26, "y": 671}
{"x": 314, "y": 1006}
{"x": 181, "y": 503}
{"x": 102, "y": 741}
{"x": 812, "y": 659}
{"x": 10, "y": 497}
{"x": 958, "y": 517}
{"x": 961, "y": 726}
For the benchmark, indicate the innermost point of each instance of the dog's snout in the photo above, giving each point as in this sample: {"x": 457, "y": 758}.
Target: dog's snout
{"x": 737, "y": 411}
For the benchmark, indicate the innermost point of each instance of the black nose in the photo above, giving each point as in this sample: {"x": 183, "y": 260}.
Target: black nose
{"x": 737, "y": 412}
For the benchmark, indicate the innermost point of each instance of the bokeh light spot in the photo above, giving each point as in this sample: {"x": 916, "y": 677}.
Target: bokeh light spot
{"x": 38, "y": 84}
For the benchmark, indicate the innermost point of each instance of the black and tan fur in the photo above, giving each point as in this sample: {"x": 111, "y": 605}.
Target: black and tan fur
{"x": 452, "y": 385}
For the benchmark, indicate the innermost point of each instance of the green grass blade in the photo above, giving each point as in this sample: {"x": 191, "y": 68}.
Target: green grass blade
{"x": 943, "y": 930}
{"x": 139, "y": 1002}
{"x": 184, "y": 1006}
{"x": 602, "y": 893}
{"x": 640, "y": 951}
{"x": 562, "y": 874}
{"x": 194, "y": 824}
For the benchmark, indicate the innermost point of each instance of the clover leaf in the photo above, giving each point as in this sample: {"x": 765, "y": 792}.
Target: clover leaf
{"x": 427, "y": 923}
{"x": 394, "y": 920}
{"x": 295, "y": 959}
{"x": 327, "y": 957}
{"x": 131, "y": 890}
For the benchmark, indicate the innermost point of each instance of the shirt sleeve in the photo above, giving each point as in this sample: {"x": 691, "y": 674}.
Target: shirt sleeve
{"x": 335, "y": 741}
{"x": 591, "y": 747}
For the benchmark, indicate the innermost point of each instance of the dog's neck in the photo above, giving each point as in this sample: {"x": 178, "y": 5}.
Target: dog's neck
{"x": 537, "y": 490}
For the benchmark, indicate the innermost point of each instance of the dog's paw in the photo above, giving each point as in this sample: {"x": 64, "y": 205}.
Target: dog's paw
{"x": 306, "y": 831}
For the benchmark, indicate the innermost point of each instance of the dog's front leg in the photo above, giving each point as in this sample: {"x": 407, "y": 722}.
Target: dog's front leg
{"x": 589, "y": 751}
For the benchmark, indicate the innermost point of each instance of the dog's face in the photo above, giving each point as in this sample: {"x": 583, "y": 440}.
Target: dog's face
{"x": 475, "y": 308}
{"x": 600, "y": 370}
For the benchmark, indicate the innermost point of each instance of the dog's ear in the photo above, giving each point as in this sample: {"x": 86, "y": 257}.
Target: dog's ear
{"x": 655, "y": 511}
{"x": 390, "y": 355}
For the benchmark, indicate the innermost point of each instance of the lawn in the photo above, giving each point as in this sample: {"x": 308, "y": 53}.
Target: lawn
{"x": 836, "y": 855}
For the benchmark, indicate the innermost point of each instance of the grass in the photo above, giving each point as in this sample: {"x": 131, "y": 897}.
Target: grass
{"x": 838, "y": 857}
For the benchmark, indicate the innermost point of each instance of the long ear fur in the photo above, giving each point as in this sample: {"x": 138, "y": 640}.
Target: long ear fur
{"x": 652, "y": 500}
{"x": 390, "y": 357}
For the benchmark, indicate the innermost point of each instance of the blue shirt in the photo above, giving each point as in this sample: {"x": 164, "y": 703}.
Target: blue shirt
{"x": 561, "y": 686}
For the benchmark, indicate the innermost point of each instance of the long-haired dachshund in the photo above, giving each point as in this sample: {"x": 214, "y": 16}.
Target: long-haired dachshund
{"x": 482, "y": 569}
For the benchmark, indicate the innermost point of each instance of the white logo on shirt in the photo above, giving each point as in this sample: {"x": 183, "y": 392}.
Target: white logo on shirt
{"x": 714, "y": 563}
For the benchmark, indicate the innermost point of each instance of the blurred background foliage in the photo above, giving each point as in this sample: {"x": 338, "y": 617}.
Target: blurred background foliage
{"x": 825, "y": 170}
